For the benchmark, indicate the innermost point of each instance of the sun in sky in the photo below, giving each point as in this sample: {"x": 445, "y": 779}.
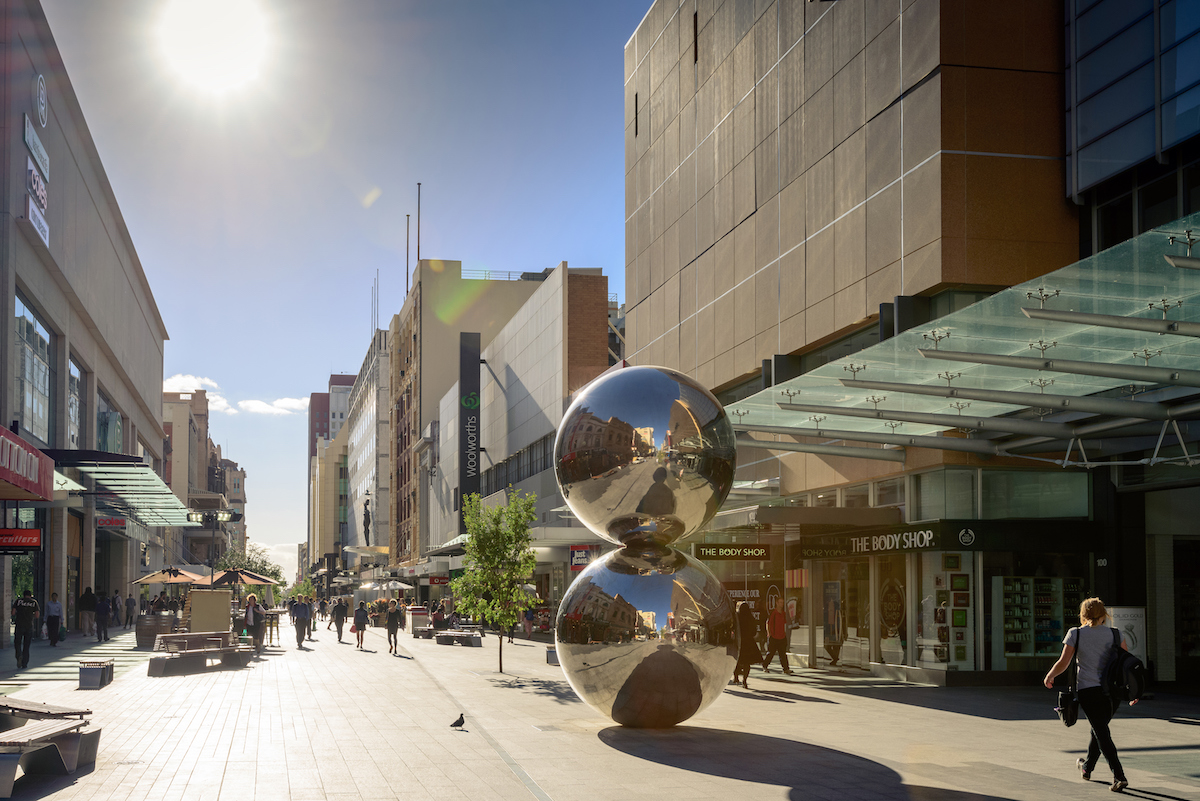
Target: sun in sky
{"x": 214, "y": 45}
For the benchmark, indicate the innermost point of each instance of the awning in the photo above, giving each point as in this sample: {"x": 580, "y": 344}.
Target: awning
{"x": 1097, "y": 359}
{"x": 127, "y": 485}
{"x": 26, "y": 473}
{"x": 452, "y": 547}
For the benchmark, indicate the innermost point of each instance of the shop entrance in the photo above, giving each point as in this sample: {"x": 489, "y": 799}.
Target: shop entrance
{"x": 1187, "y": 610}
{"x": 842, "y": 593}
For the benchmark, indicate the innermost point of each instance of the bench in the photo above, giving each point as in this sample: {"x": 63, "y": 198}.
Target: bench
{"x": 189, "y": 652}
{"x": 14, "y": 712}
{"x": 468, "y": 639}
{"x": 53, "y": 746}
{"x": 95, "y": 673}
{"x": 424, "y": 632}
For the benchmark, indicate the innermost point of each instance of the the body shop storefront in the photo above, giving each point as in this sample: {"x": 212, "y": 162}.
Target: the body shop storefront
{"x": 922, "y": 601}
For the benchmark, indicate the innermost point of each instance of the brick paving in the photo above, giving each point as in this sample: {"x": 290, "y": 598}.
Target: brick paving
{"x": 331, "y": 722}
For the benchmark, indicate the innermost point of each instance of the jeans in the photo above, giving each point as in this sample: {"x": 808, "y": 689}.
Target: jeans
{"x": 339, "y": 622}
{"x": 1100, "y": 709}
{"x": 301, "y": 631}
{"x": 777, "y": 646}
{"x": 21, "y": 640}
{"x": 101, "y": 627}
{"x": 53, "y": 624}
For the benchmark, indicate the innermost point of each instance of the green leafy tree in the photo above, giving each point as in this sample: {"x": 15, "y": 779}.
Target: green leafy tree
{"x": 497, "y": 561}
{"x": 254, "y": 558}
{"x": 303, "y": 588}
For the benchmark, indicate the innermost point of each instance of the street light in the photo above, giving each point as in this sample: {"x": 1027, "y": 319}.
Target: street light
{"x": 209, "y": 520}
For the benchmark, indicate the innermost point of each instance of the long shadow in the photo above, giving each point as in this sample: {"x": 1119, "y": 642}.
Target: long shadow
{"x": 808, "y": 770}
{"x": 758, "y": 696}
{"x": 559, "y": 691}
{"x": 796, "y": 696}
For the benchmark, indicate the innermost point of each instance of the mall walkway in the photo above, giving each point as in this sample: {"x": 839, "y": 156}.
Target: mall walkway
{"x": 332, "y": 722}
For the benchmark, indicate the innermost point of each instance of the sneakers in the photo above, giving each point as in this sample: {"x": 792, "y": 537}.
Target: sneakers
{"x": 1084, "y": 773}
{"x": 1118, "y": 785}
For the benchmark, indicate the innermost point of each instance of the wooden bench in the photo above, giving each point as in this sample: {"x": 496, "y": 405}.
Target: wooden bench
{"x": 468, "y": 639}
{"x": 15, "y": 712}
{"x": 424, "y": 632}
{"x": 189, "y": 652}
{"x": 55, "y": 746}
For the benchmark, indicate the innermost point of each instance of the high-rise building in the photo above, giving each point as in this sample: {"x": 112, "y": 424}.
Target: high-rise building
{"x": 368, "y": 451}
{"x": 326, "y": 416}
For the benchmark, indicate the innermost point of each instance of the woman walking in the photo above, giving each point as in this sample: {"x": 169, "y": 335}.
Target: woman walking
{"x": 1092, "y": 643}
{"x": 748, "y": 653}
{"x": 254, "y": 619}
{"x": 361, "y": 616}
{"x": 395, "y": 616}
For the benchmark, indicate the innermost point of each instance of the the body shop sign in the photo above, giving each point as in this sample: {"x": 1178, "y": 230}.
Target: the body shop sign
{"x": 468, "y": 420}
{"x": 25, "y": 469}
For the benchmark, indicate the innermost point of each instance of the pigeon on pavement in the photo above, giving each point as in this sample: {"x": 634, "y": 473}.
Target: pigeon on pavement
{"x": 458, "y": 724}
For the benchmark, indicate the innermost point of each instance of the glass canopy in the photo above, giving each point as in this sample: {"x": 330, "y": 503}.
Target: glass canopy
{"x": 1131, "y": 280}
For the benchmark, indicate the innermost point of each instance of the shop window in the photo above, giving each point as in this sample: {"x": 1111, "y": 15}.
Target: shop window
{"x": 828, "y": 498}
{"x": 856, "y": 497}
{"x": 76, "y": 406}
{"x": 944, "y": 494}
{"x": 946, "y": 629}
{"x": 889, "y": 492}
{"x": 1157, "y": 203}
{"x": 109, "y": 435}
{"x": 1028, "y": 493}
{"x": 35, "y": 373}
{"x": 892, "y": 628}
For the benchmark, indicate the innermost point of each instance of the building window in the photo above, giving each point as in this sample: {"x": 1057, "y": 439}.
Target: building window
{"x": 109, "y": 434}
{"x": 35, "y": 373}
{"x": 76, "y": 406}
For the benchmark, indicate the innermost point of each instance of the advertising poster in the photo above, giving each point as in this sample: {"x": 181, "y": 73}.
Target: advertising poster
{"x": 1131, "y": 620}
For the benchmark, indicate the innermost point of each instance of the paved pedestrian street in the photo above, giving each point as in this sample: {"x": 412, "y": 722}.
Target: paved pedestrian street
{"x": 332, "y": 722}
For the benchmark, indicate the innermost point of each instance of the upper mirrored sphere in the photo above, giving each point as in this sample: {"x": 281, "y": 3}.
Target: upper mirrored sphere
{"x": 644, "y": 456}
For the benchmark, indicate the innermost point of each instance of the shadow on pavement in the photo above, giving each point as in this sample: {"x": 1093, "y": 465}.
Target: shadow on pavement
{"x": 806, "y": 769}
{"x": 560, "y": 691}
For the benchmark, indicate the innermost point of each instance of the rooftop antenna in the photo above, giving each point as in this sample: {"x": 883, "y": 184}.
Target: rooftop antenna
{"x": 406, "y": 236}
{"x": 418, "y": 222}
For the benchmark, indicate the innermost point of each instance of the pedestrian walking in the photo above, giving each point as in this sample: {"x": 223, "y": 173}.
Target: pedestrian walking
{"x": 87, "y": 611}
{"x": 116, "y": 608}
{"x": 25, "y": 612}
{"x": 103, "y": 612}
{"x": 338, "y": 617}
{"x": 395, "y": 617}
{"x": 255, "y": 619}
{"x": 777, "y": 639}
{"x": 324, "y": 608}
{"x": 1092, "y": 645}
{"x": 748, "y": 653}
{"x": 361, "y": 618}
{"x": 312, "y": 616}
{"x": 528, "y": 623}
{"x": 300, "y": 619}
{"x": 53, "y": 619}
{"x": 131, "y": 606}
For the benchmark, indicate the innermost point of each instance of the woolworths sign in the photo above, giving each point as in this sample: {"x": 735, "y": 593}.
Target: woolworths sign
{"x": 468, "y": 419}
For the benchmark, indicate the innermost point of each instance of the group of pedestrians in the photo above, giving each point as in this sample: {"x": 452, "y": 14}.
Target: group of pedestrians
{"x": 304, "y": 612}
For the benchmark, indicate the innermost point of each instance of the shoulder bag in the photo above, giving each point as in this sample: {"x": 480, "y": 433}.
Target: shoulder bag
{"x": 1068, "y": 700}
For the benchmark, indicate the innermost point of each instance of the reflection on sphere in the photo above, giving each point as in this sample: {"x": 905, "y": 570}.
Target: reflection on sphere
{"x": 645, "y": 456}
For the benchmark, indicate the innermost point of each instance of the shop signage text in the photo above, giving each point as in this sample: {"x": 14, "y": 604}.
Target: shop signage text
{"x": 725, "y": 551}
{"x": 34, "y": 143}
{"x": 20, "y": 539}
{"x": 24, "y": 466}
{"x": 468, "y": 420}
{"x": 581, "y": 556}
{"x": 436, "y": 580}
{"x": 110, "y": 522}
{"x": 34, "y": 215}
{"x": 35, "y": 184}
{"x": 905, "y": 541}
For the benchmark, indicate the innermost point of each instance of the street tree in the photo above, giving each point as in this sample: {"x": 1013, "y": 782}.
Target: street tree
{"x": 254, "y": 558}
{"x": 497, "y": 561}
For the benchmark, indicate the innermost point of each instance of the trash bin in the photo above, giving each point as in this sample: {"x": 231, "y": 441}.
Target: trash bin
{"x": 418, "y": 618}
{"x": 95, "y": 673}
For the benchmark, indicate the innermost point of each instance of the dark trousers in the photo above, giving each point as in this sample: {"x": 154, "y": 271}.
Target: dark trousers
{"x": 301, "y": 631}
{"x": 21, "y": 640}
{"x": 393, "y": 640}
{"x": 777, "y": 646}
{"x": 101, "y": 627}
{"x": 339, "y": 622}
{"x": 1100, "y": 709}
{"x": 53, "y": 624}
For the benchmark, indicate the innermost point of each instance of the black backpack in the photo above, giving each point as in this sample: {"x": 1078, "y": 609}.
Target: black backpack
{"x": 1125, "y": 676}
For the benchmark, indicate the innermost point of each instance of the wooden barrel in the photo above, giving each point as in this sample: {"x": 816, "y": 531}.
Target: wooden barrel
{"x": 150, "y": 626}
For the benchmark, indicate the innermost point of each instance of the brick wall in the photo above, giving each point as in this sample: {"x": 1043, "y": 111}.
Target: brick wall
{"x": 587, "y": 328}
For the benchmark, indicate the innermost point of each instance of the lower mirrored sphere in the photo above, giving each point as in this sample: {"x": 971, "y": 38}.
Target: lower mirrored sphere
{"x": 647, "y": 637}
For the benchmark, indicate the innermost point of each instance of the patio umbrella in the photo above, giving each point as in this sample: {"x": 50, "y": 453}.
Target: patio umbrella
{"x": 170, "y": 575}
{"x": 397, "y": 585}
{"x": 224, "y": 578}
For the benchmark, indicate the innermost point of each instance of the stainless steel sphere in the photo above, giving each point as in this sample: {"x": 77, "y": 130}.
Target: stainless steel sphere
{"x": 648, "y": 638}
{"x": 644, "y": 456}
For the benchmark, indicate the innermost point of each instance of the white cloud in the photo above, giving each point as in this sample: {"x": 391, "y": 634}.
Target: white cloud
{"x": 281, "y": 406}
{"x": 187, "y": 383}
{"x": 218, "y": 404}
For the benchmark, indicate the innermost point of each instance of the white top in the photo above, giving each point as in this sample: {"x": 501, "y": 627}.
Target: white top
{"x": 53, "y": 609}
{"x": 1094, "y": 647}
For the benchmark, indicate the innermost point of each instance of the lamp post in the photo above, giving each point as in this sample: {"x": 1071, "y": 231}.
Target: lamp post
{"x": 209, "y": 520}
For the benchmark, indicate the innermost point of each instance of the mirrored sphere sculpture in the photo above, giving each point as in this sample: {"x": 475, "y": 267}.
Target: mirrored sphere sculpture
{"x": 646, "y": 634}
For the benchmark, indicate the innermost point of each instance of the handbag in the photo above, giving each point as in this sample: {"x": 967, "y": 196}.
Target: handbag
{"x": 1068, "y": 700}
{"x": 353, "y": 629}
{"x": 62, "y": 632}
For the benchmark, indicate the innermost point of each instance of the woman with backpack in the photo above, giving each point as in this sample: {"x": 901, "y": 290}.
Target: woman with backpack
{"x": 1093, "y": 645}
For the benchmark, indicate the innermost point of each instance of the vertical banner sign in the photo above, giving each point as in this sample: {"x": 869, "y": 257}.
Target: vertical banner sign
{"x": 468, "y": 420}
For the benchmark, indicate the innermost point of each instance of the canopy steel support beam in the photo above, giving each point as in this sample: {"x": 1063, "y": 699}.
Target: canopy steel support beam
{"x": 1005, "y": 425}
{"x": 1178, "y": 327}
{"x": 941, "y": 443}
{"x": 1036, "y": 400}
{"x": 1124, "y": 372}
{"x": 881, "y": 454}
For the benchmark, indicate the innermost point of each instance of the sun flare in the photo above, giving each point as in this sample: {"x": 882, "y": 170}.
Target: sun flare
{"x": 214, "y": 45}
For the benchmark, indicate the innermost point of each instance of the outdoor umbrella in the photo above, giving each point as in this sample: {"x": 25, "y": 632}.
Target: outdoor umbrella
{"x": 224, "y": 578}
{"x": 170, "y": 575}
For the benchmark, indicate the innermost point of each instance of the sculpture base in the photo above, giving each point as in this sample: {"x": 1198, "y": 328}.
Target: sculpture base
{"x": 647, "y": 637}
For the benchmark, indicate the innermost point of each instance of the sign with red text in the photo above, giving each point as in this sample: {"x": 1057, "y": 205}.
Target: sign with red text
{"x": 20, "y": 540}
{"x": 24, "y": 468}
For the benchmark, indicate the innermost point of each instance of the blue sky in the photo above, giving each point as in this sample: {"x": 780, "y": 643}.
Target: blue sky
{"x": 261, "y": 216}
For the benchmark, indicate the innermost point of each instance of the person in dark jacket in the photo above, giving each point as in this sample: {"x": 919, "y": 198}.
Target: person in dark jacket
{"x": 301, "y": 614}
{"x": 1094, "y": 642}
{"x": 25, "y": 613}
{"x": 255, "y": 619}
{"x": 748, "y": 653}
{"x": 87, "y": 611}
{"x": 361, "y": 618}
{"x": 103, "y": 612}
{"x": 395, "y": 617}
{"x": 338, "y": 617}
{"x": 131, "y": 606}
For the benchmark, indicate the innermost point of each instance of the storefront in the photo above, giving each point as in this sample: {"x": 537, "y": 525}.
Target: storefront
{"x": 918, "y": 601}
